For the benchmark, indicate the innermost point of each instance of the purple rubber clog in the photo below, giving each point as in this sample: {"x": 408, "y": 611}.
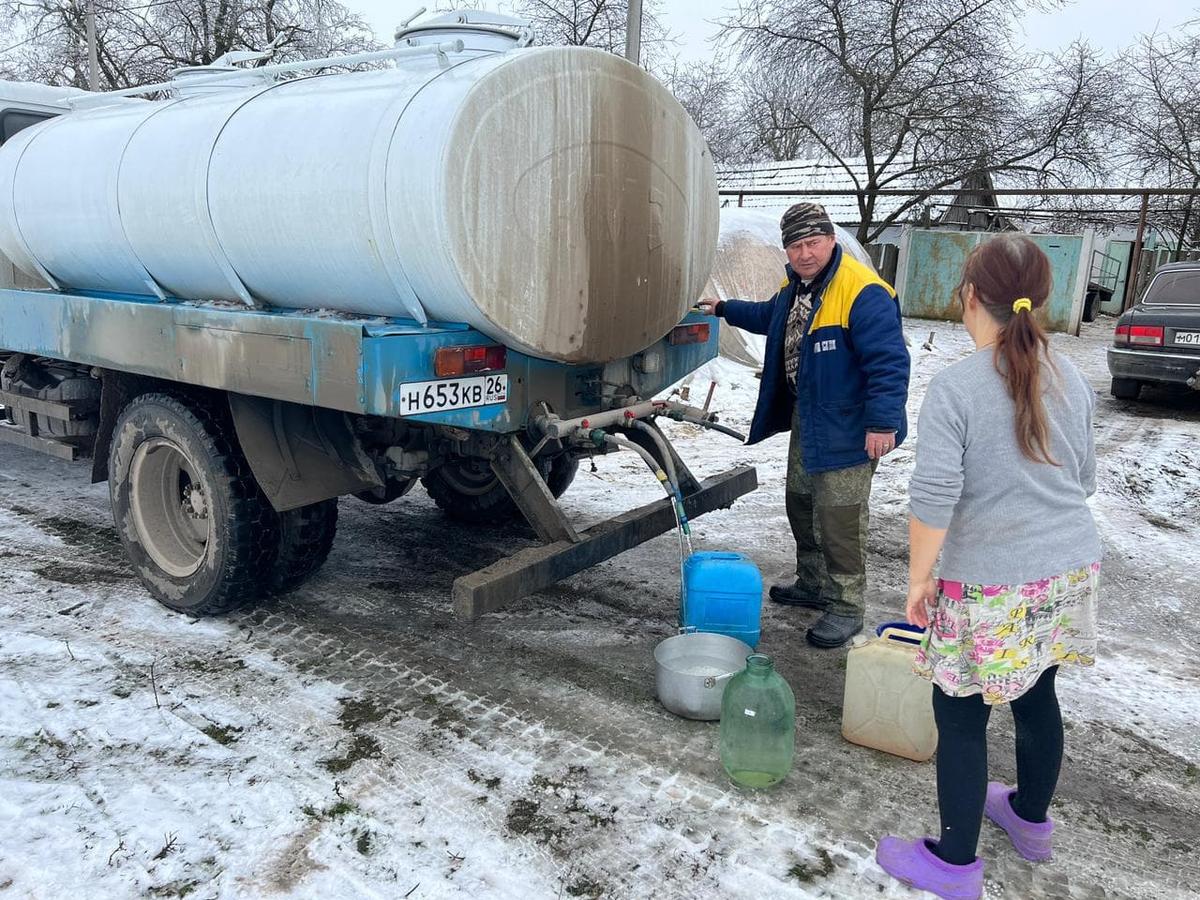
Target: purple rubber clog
{"x": 917, "y": 866}
{"x": 1033, "y": 840}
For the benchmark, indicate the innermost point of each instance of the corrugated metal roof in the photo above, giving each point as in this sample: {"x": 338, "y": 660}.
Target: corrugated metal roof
{"x": 808, "y": 175}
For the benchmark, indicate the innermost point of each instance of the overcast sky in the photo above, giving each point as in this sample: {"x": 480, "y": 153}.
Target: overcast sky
{"x": 1109, "y": 24}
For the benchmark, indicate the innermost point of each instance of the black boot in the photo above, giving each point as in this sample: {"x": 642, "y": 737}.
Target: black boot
{"x": 789, "y": 593}
{"x": 832, "y": 630}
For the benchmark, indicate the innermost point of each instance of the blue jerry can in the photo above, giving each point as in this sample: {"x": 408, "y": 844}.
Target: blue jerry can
{"x": 722, "y": 593}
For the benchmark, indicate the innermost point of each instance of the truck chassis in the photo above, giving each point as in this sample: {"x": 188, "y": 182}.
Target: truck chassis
{"x": 241, "y": 427}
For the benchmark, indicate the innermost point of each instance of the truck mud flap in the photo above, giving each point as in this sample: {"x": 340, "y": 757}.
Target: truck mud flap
{"x": 535, "y": 568}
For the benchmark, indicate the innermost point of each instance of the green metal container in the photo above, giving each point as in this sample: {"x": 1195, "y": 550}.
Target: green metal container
{"x": 758, "y": 725}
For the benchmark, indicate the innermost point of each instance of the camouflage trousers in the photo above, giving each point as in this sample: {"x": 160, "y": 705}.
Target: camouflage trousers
{"x": 829, "y": 513}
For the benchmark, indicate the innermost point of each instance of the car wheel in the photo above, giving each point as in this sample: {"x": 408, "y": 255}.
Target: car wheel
{"x": 1126, "y": 388}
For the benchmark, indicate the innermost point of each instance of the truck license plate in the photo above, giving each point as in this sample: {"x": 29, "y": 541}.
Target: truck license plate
{"x": 453, "y": 393}
{"x": 1187, "y": 338}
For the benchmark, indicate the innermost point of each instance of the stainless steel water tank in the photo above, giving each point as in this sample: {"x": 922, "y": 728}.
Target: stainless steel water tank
{"x": 558, "y": 199}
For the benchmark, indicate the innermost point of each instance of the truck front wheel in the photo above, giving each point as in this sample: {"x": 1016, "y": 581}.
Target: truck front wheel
{"x": 196, "y": 527}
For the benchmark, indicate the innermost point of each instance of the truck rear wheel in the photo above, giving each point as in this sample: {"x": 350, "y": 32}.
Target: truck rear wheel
{"x": 305, "y": 539}
{"x": 469, "y": 491}
{"x": 200, "y": 534}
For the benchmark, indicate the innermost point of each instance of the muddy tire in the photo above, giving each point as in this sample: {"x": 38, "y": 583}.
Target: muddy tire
{"x": 469, "y": 491}
{"x": 393, "y": 489}
{"x": 305, "y": 539}
{"x": 195, "y": 525}
{"x": 562, "y": 473}
{"x": 1125, "y": 388}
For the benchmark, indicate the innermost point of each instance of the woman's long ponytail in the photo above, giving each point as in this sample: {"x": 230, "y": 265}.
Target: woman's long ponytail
{"x": 1005, "y": 270}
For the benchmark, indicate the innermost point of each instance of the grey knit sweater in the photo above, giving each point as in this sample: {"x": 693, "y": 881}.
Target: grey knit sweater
{"x": 1009, "y": 520}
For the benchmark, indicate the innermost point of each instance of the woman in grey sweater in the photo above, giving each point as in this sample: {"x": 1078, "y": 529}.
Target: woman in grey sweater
{"x": 1005, "y": 464}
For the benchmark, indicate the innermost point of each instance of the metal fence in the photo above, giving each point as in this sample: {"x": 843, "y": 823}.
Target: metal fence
{"x": 1149, "y": 264}
{"x": 1141, "y": 263}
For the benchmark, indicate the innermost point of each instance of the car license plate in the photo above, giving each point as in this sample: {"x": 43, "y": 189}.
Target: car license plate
{"x": 453, "y": 393}
{"x": 1187, "y": 338}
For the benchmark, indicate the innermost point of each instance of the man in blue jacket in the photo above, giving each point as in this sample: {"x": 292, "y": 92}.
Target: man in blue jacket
{"x": 835, "y": 374}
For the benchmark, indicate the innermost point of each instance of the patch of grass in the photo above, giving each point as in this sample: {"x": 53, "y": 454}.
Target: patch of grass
{"x": 53, "y": 704}
{"x": 44, "y": 740}
{"x": 490, "y": 783}
{"x": 446, "y": 717}
{"x": 524, "y": 818}
{"x": 571, "y": 777}
{"x": 211, "y": 664}
{"x": 595, "y": 819}
{"x": 362, "y": 747}
{"x": 336, "y": 811}
{"x": 807, "y": 872}
{"x": 363, "y": 843}
{"x": 583, "y": 886}
{"x": 223, "y": 734}
{"x": 1191, "y": 771}
{"x": 358, "y": 712}
{"x": 122, "y": 693}
{"x": 180, "y": 888}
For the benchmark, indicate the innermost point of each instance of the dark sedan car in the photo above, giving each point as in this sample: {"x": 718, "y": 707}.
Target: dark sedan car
{"x": 1158, "y": 340}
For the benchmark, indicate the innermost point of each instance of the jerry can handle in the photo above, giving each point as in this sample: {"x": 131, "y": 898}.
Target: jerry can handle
{"x": 902, "y": 636}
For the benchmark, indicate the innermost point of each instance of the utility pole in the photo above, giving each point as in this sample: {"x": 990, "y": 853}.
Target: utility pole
{"x": 1135, "y": 256}
{"x": 93, "y": 60}
{"x": 633, "y": 33}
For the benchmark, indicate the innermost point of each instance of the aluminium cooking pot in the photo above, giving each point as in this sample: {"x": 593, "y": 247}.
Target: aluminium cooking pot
{"x": 691, "y": 671}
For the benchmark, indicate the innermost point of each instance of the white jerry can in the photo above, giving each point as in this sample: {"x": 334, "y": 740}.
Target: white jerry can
{"x": 886, "y": 706}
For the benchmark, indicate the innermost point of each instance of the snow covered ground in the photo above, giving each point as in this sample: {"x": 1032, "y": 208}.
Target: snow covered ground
{"x": 355, "y": 740}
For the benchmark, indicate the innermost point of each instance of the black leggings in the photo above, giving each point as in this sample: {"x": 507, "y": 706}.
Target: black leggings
{"x": 962, "y": 762}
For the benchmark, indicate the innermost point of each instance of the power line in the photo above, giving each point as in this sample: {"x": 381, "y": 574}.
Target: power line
{"x": 28, "y": 40}
{"x": 102, "y": 9}
{"x": 962, "y": 192}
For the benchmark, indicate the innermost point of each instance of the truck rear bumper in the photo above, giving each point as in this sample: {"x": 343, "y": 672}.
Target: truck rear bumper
{"x": 530, "y": 570}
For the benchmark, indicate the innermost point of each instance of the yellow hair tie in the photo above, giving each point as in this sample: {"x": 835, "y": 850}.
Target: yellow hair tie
{"x": 1023, "y": 303}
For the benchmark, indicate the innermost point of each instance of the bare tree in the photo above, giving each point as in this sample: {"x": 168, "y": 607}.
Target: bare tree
{"x": 919, "y": 94}
{"x": 1163, "y": 119}
{"x": 593, "y": 23}
{"x": 141, "y": 41}
{"x": 710, "y": 93}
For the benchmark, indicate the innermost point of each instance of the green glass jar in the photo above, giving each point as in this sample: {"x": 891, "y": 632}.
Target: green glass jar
{"x": 758, "y": 725}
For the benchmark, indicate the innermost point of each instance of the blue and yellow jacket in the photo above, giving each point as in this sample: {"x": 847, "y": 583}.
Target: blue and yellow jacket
{"x": 854, "y": 365}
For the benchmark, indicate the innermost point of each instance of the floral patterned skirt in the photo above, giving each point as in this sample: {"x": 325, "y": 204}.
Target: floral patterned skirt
{"x": 996, "y": 640}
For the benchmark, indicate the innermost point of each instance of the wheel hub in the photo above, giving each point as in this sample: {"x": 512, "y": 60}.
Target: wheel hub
{"x": 169, "y": 507}
{"x": 195, "y": 506}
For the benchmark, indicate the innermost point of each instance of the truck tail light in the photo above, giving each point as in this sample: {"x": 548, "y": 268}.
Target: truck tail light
{"x": 690, "y": 334}
{"x": 1146, "y": 335}
{"x": 450, "y": 361}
